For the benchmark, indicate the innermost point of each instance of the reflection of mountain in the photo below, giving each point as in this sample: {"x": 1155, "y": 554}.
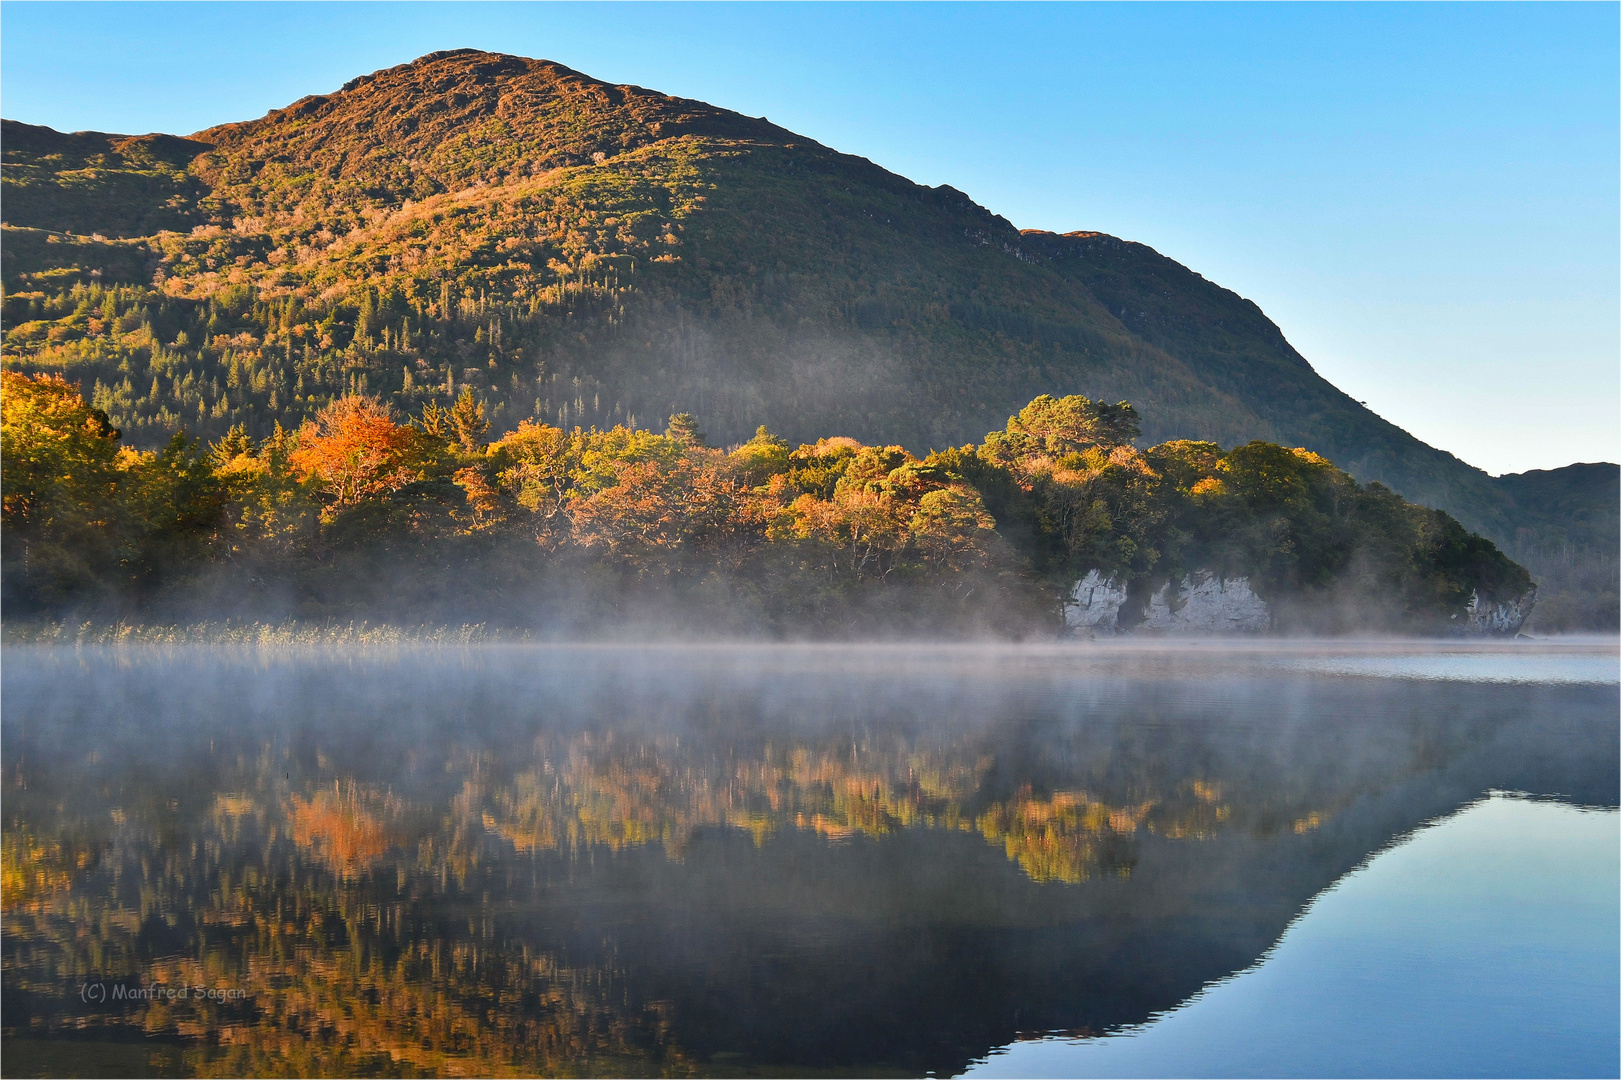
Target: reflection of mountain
{"x": 692, "y": 861}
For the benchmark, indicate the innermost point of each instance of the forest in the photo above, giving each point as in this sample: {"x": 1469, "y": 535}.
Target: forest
{"x": 365, "y": 512}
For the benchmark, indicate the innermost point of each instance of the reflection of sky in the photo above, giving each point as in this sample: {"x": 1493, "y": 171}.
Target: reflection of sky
{"x": 1485, "y": 945}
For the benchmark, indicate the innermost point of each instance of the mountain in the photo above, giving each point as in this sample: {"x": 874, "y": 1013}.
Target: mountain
{"x": 600, "y": 254}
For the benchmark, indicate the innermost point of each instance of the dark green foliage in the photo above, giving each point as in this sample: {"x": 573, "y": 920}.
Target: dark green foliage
{"x": 683, "y": 428}
{"x": 1326, "y": 551}
{"x": 181, "y": 510}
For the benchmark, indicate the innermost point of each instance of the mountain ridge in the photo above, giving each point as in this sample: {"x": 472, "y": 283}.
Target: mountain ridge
{"x": 596, "y": 253}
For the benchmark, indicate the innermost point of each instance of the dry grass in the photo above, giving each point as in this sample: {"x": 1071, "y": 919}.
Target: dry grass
{"x": 269, "y": 635}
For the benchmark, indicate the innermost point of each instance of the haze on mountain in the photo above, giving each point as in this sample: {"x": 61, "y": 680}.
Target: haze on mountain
{"x": 594, "y": 254}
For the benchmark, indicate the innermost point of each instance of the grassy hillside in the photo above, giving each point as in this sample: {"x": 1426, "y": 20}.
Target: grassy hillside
{"x": 594, "y": 254}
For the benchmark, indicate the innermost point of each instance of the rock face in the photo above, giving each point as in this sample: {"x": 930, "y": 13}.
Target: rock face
{"x": 1201, "y": 603}
{"x": 1204, "y": 604}
{"x": 1094, "y": 603}
{"x": 1502, "y": 618}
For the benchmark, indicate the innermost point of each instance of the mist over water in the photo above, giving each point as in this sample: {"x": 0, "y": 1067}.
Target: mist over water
{"x": 715, "y": 858}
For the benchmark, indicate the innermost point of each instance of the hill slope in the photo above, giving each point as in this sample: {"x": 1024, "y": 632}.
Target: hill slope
{"x": 597, "y": 254}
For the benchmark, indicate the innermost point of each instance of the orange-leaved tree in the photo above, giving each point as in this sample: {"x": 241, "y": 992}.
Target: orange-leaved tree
{"x": 657, "y": 511}
{"x": 356, "y": 450}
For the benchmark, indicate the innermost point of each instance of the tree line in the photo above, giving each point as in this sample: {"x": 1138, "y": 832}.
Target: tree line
{"x": 363, "y": 512}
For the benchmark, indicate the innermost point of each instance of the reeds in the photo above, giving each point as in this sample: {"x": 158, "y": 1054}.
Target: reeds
{"x": 261, "y": 634}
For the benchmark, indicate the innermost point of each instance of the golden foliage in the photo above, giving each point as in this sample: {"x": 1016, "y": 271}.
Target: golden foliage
{"x": 356, "y": 450}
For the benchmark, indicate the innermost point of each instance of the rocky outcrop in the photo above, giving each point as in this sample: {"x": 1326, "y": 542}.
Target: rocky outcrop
{"x": 1201, "y": 603}
{"x": 1496, "y": 618}
{"x": 1204, "y": 603}
{"x": 1094, "y": 603}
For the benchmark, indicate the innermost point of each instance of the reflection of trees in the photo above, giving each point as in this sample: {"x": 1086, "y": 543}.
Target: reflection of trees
{"x": 439, "y": 1009}
{"x": 347, "y": 828}
{"x": 32, "y": 871}
{"x": 349, "y": 972}
{"x": 1063, "y": 838}
{"x": 616, "y": 795}
{"x": 441, "y": 896}
{"x": 347, "y": 908}
{"x": 326, "y": 1002}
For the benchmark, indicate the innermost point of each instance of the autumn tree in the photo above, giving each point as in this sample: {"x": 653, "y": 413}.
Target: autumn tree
{"x": 951, "y": 527}
{"x": 657, "y": 512}
{"x": 1055, "y": 427}
{"x": 534, "y": 467}
{"x": 60, "y": 487}
{"x": 86, "y": 519}
{"x": 357, "y": 451}
{"x": 761, "y": 458}
{"x": 59, "y": 453}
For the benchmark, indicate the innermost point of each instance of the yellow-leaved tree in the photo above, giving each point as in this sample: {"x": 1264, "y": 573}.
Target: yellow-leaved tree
{"x": 60, "y": 481}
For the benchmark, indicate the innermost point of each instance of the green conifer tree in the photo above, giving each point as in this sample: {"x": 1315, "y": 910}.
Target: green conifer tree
{"x": 467, "y": 422}
{"x": 233, "y": 444}
{"x": 435, "y": 420}
{"x": 684, "y": 428}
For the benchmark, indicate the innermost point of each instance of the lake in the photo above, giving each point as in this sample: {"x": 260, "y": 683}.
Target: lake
{"x": 1136, "y": 858}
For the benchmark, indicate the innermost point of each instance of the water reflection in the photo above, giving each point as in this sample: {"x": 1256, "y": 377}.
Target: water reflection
{"x": 1485, "y": 944}
{"x": 699, "y": 860}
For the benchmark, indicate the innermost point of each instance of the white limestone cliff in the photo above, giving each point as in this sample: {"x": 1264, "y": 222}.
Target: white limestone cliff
{"x": 1503, "y": 618}
{"x": 1204, "y": 604}
{"x": 1094, "y": 603}
{"x": 1201, "y": 603}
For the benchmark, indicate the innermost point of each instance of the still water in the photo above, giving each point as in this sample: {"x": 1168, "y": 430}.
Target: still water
{"x": 871, "y": 860}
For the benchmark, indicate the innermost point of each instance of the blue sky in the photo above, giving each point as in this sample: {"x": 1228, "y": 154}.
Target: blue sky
{"x": 1425, "y": 198}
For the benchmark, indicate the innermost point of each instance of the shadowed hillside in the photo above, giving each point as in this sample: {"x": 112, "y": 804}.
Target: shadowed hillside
{"x": 593, "y": 254}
